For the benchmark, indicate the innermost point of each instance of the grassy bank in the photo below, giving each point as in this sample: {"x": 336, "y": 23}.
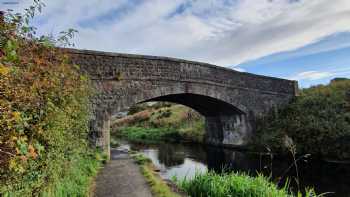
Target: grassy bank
{"x": 158, "y": 123}
{"x": 77, "y": 179}
{"x": 159, "y": 188}
{"x": 235, "y": 184}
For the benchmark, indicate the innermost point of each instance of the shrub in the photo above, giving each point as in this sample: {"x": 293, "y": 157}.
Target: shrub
{"x": 318, "y": 121}
{"x": 44, "y": 109}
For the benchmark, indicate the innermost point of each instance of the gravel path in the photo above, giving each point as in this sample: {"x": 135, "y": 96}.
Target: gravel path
{"x": 121, "y": 177}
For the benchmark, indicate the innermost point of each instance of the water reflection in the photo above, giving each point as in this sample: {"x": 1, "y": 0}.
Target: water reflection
{"x": 173, "y": 163}
{"x": 185, "y": 160}
{"x": 171, "y": 155}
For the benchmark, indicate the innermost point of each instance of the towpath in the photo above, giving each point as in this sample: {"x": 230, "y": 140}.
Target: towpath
{"x": 121, "y": 177}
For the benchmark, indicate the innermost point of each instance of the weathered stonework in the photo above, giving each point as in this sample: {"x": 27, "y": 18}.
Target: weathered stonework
{"x": 230, "y": 100}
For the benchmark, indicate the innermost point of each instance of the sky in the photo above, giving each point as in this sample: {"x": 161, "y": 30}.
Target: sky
{"x": 304, "y": 40}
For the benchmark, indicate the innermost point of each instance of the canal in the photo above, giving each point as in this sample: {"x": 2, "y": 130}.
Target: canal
{"x": 184, "y": 160}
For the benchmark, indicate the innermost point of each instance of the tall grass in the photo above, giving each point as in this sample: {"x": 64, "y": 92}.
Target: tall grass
{"x": 211, "y": 184}
{"x": 77, "y": 179}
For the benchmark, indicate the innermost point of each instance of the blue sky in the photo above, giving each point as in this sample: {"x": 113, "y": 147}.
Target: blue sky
{"x": 313, "y": 64}
{"x": 304, "y": 40}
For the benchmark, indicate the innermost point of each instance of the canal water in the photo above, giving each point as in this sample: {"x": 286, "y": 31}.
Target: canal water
{"x": 183, "y": 160}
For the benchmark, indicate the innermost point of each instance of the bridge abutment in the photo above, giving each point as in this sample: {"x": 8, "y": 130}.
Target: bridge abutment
{"x": 100, "y": 125}
{"x": 228, "y": 130}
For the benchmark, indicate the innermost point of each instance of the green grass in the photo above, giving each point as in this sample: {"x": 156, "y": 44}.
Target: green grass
{"x": 141, "y": 159}
{"x": 158, "y": 187}
{"x": 77, "y": 179}
{"x": 211, "y": 184}
{"x": 192, "y": 131}
{"x": 170, "y": 123}
{"x": 148, "y": 135}
{"x": 235, "y": 185}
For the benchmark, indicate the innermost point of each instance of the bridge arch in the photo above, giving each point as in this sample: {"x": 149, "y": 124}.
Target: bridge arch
{"x": 205, "y": 105}
{"x": 230, "y": 100}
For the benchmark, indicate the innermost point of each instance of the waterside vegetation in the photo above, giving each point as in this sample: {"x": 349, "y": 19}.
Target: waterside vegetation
{"x": 317, "y": 122}
{"x": 235, "y": 184}
{"x": 44, "y": 114}
{"x": 159, "y": 122}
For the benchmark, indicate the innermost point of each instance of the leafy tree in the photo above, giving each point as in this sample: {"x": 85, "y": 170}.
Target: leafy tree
{"x": 318, "y": 122}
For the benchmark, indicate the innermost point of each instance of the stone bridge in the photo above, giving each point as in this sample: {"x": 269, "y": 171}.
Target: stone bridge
{"x": 229, "y": 100}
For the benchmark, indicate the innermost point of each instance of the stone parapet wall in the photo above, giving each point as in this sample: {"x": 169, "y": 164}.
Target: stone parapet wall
{"x": 112, "y": 66}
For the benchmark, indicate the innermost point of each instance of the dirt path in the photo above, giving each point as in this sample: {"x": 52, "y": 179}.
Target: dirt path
{"x": 121, "y": 177}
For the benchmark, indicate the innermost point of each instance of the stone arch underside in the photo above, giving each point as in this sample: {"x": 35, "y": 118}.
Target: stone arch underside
{"x": 229, "y": 113}
{"x": 225, "y": 124}
{"x": 122, "y": 80}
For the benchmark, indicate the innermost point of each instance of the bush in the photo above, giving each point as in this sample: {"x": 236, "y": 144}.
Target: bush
{"x": 318, "y": 122}
{"x": 44, "y": 110}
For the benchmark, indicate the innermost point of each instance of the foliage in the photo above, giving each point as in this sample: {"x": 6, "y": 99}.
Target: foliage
{"x": 137, "y": 108}
{"x": 147, "y": 135}
{"x": 144, "y": 106}
{"x": 317, "y": 121}
{"x": 234, "y": 184}
{"x": 44, "y": 110}
{"x": 162, "y": 122}
{"x": 114, "y": 142}
{"x": 77, "y": 178}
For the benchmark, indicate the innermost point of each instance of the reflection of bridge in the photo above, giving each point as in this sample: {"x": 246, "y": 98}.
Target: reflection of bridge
{"x": 229, "y": 100}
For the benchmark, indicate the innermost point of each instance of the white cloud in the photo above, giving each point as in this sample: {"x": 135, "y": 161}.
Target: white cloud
{"x": 316, "y": 75}
{"x": 239, "y": 69}
{"x": 215, "y": 31}
{"x": 311, "y": 75}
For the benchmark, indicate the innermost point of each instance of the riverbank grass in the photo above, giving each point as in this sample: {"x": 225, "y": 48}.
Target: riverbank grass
{"x": 147, "y": 135}
{"x": 154, "y": 125}
{"x": 158, "y": 187}
{"x": 77, "y": 179}
{"x": 234, "y": 184}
